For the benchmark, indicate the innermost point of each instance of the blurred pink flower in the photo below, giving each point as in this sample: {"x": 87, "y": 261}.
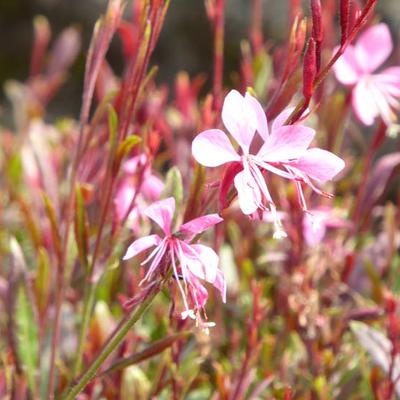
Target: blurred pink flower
{"x": 190, "y": 262}
{"x": 317, "y": 221}
{"x": 284, "y": 152}
{"x": 150, "y": 189}
{"x": 372, "y": 94}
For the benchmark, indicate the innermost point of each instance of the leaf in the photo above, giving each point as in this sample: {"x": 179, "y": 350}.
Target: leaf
{"x": 196, "y": 191}
{"x": 81, "y": 228}
{"x": 173, "y": 186}
{"x": 378, "y": 347}
{"x": 124, "y": 149}
{"x": 41, "y": 284}
{"x": 112, "y": 128}
{"x": 55, "y": 231}
{"x": 151, "y": 351}
{"x": 27, "y": 338}
{"x": 379, "y": 180}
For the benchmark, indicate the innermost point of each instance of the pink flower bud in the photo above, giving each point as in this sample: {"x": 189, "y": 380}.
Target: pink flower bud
{"x": 309, "y": 69}
{"x": 344, "y": 20}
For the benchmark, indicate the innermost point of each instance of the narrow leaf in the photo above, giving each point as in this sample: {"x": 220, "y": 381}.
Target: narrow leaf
{"x": 55, "y": 230}
{"x": 151, "y": 351}
{"x": 81, "y": 228}
{"x": 173, "y": 186}
{"x": 41, "y": 284}
{"x": 27, "y": 338}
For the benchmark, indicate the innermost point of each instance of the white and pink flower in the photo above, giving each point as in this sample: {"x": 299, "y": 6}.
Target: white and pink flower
{"x": 284, "y": 152}
{"x": 373, "y": 93}
{"x": 191, "y": 263}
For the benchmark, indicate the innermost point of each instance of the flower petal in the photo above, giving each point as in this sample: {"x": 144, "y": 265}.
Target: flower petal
{"x": 152, "y": 187}
{"x": 281, "y": 118}
{"x": 220, "y": 284}
{"x": 198, "y": 225}
{"x": 363, "y": 101}
{"x": 262, "y": 124}
{"x": 239, "y": 118}
{"x": 374, "y": 47}
{"x": 346, "y": 68}
{"x": 200, "y": 294}
{"x": 209, "y": 262}
{"x": 162, "y": 213}
{"x": 320, "y": 165}
{"x": 212, "y": 148}
{"x": 140, "y": 245}
{"x": 248, "y": 192}
{"x": 286, "y": 143}
{"x": 314, "y": 229}
{"x": 123, "y": 199}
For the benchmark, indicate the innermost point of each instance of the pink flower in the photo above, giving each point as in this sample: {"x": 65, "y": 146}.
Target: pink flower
{"x": 190, "y": 262}
{"x": 150, "y": 189}
{"x": 317, "y": 221}
{"x": 372, "y": 94}
{"x": 284, "y": 152}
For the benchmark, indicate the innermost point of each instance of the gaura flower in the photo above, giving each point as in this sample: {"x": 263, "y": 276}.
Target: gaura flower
{"x": 191, "y": 263}
{"x": 317, "y": 222}
{"x": 373, "y": 94}
{"x": 284, "y": 152}
{"x": 150, "y": 189}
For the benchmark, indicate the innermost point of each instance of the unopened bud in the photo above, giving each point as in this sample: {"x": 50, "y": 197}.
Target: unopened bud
{"x": 344, "y": 20}
{"x": 309, "y": 69}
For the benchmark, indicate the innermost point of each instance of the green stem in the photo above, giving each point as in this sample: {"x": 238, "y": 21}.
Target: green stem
{"x": 89, "y": 296}
{"x": 114, "y": 341}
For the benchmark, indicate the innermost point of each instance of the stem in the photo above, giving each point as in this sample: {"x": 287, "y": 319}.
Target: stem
{"x": 218, "y": 54}
{"x": 114, "y": 341}
{"x": 88, "y": 301}
{"x": 302, "y": 105}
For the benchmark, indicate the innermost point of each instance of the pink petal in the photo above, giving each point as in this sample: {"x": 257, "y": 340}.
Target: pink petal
{"x": 200, "y": 294}
{"x": 198, "y": 225}
{"x": 286, "y": 143}
{"x": 281, "y": 118}
{"x": 212, "y": 148}
{"x": 314, "y": 229}
{"x": 140, "y": 245}
{"x": 374, "y": 47}
{"x": 220, "y": 284}
{"x": 131, "y": 165}
{"x": 390, "y": 76}
{"x": 262, "y": 124}
{"x": 320, "y": 165}
{"x": 363, "y": 102}
{"x": 209, "y": 260}
{"x": 346, "y": 68}
{"x": 162, "y": 213}
{"x": 152, "y": 187}
{"x": 239, "y": 118}
{"x": 123, "y": 199}
{"x": 248, "y": 192}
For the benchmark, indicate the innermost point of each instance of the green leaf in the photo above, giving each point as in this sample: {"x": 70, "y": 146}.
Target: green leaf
{"x": 81, "y": 228}
{"x": 41, "y": 284}
{"x": 173, "y": 186}
{"x": 55, "y": 229}
{"x": 124, "y": 149}
{"x": 27, "y": 338}
{"x": 151, "y": 351}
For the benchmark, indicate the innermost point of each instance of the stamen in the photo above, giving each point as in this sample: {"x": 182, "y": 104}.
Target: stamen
{"x": 188, "y": 312}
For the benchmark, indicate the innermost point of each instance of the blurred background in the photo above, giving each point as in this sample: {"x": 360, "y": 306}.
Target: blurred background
{"x": 185, "y": 44}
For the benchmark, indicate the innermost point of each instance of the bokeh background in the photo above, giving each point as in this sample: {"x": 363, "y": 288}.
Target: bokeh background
{"x": 185, "y": 44}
